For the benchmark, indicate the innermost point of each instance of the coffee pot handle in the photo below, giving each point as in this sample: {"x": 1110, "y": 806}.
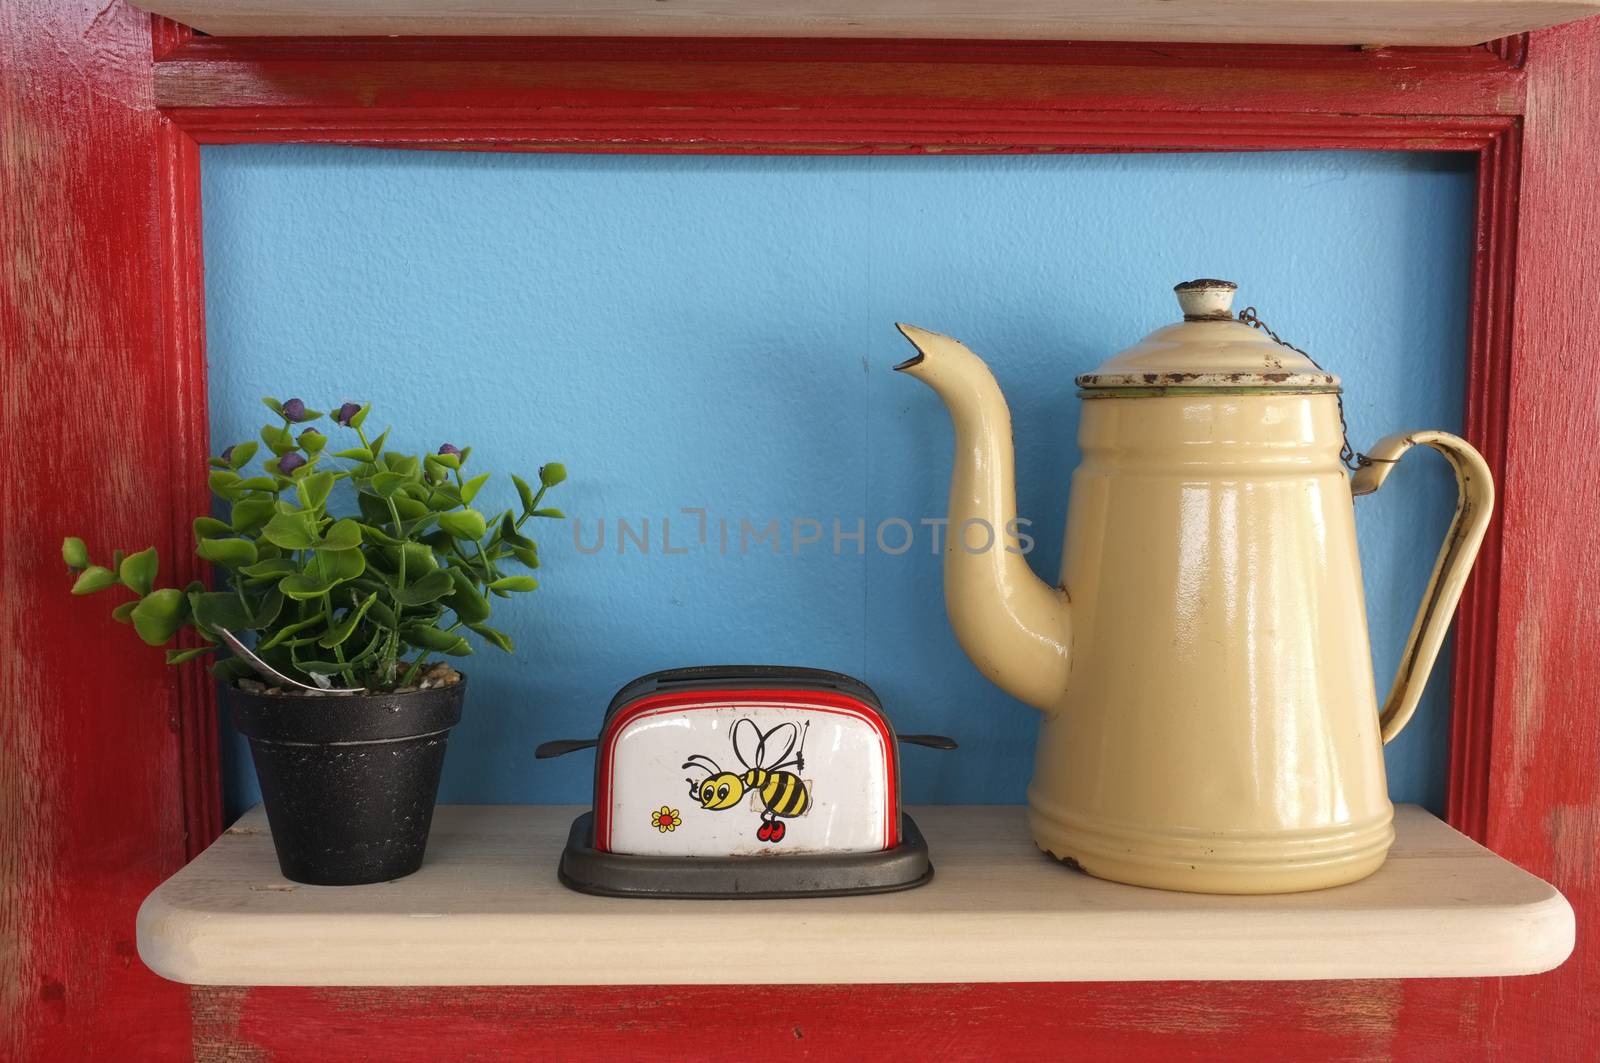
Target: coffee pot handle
{"x": 1474, "y": 506}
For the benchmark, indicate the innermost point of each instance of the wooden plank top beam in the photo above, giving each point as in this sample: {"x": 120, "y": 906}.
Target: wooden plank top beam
{"x": 1352, "y": 22}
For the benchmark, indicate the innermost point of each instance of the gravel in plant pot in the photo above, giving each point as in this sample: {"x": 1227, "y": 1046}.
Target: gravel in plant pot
{"x": 361, "y": 569}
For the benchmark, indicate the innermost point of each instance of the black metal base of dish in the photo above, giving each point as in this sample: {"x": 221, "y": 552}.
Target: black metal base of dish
{"x": 588, "y": 870}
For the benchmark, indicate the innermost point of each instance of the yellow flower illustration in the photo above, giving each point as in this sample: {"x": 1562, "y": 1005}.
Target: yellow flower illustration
{"x": 665, "y": 819}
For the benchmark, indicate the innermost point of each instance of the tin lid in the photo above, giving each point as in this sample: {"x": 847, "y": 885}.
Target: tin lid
{"x": 720, "y": 677}
{"x": 1209, "y": 350}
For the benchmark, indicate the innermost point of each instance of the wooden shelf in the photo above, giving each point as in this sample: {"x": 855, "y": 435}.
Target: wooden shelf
{"x": 486, "y": 909}
{"x": 1374, "y": 22}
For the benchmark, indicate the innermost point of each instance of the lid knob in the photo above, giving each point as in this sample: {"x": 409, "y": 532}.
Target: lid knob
{"x": 1206, "y": 299}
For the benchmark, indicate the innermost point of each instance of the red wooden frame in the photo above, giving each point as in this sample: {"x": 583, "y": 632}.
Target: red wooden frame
{"x": 103, "y": 115}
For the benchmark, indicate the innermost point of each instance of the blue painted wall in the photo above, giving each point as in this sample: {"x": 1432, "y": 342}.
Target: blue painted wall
{"x": 718, "y": 332}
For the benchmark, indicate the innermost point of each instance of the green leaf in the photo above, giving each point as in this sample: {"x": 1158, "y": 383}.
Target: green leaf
{"x": 552, "y": 474}
{"x": 74, "y": 552}
{"x": 123, "y": 614}
{"x": 378, "y": 536}
{"x": 514, "y": 583}
{"x": 272, "y": 566}
{"x": 383, "y": 615}
{"x": 449, "y": 461}
{"x": 222, "y": 610}
{"x": 499, "y": 638}
{"x": 274, "y": 405}
{"x": 431, "y": 638}
{"x": 373, "y": 508}
{"x": 429, "y": 588}
{"x": 509, "y": 534}
{"x": 419, "y": 560}
{"x": 224, "y": 483}
{"x": 525, "y": 493}
{"x": 463, "y": 523}
{"x": 470, "y": 489}
{"x": 359, "y": 418}
{"x": 379, "y": 637}
{"x": 355, "y": 454}
{"x": 445, "y": 496}
{"x": 346, "y": 626}
{"x": 94, "y": 578}
{"x": 303, "y": 586}
{"x": 258, "y": 483}
{"x": 250, "y": 513}
{"x": 313, "y": 490}
{"x": 231, "y": 553}
{"x": 292, "y": 531}
{"x": 340, "y": 565}
{"x": 210, "y": 528}
{"x": 283, "y": 633}
{"x": 377, "y": 444}
{"x": 313, "y": 441}
{"x": 388, "y": 484}
{"x": 440, "y": 540}
{"x": 410, "y": 508}
{"x": 556, "y": 513}
{"x": 267, "y": 609}
{"x": 138, "y": 571}
{"x": 342, "y": 535}
{"x": 469, "y": 606}
{"x": 528, "y": 555}
{"x": 277, "y": 439}
{"x": 159, "y": 615}
{"x": 183, "y": 656}
{"x": 242, "y": 453}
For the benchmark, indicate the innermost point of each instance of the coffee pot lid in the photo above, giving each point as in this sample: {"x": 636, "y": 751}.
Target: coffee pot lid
{"x": 1209, "y": 350}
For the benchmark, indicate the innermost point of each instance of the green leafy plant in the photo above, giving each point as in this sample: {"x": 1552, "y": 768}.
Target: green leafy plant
{"x": 409, "y": 567}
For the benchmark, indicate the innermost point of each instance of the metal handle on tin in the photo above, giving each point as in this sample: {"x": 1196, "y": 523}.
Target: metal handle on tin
{"x": 560, "y": 747}
{"x": 930, "y": 741}
{"x": 1474, "y": 506}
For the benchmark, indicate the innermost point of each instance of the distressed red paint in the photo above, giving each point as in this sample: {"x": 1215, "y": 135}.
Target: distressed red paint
{"x": 105, "y": 217}
{"x": 91, "y": 725}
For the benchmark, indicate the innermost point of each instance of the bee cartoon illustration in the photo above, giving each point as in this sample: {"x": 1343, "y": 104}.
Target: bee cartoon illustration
{"x": 766, "y": 760}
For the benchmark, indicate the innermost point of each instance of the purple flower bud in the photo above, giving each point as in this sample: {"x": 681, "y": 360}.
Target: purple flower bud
{"x": 347, "y": 411}
{"x": 227, "y": 455}
{"x": 450, "y": 448}
{"x": 294, "y": 410}
{"x": 290, "y": 462}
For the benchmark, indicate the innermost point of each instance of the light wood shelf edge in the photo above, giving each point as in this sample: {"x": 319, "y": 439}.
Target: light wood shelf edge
{"x": 487, "y": 910}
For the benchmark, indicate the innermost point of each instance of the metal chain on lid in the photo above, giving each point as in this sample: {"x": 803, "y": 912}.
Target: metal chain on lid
{"x": 1353, "y": 459}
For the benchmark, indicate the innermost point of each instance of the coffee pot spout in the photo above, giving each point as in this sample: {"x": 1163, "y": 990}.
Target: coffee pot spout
{"x": 1014, "y": 626}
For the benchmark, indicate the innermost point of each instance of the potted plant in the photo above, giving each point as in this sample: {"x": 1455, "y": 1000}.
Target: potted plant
{"x": 360, "y": 571}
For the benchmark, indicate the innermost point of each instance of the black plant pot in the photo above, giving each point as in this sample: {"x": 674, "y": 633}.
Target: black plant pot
{"x": 349, "y": 780}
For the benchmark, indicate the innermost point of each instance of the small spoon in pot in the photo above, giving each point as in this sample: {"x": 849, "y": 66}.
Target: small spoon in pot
{"x": 266, "y": 671}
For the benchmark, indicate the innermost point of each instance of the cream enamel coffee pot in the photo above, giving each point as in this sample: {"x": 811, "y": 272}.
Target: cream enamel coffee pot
{"x": 1210, "y": 721}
